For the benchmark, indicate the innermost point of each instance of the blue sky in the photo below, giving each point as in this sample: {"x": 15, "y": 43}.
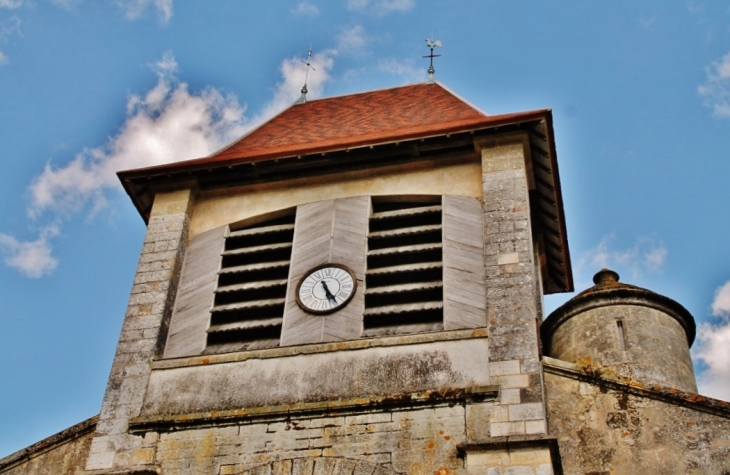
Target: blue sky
{"x": 640, "y": 95}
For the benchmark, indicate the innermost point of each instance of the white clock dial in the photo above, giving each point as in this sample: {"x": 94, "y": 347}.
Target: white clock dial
{"x": 326, "y": 289}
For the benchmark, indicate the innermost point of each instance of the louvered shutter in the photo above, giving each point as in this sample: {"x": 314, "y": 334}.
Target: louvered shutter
{"x": 191, "y": 314}
{"x": 404, "y": 276}
{"x": 249, "y": 302}
{"x": 465, "y": 292}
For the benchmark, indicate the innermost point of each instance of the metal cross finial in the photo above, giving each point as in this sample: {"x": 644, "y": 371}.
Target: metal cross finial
{"x": 308, "y": 62}
{"x": 432, "y": 44}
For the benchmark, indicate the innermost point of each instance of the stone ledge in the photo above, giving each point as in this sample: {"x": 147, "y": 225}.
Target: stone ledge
{"x": 320, "y": 348}
{"x": 126, "y": 471}
{"x": 443, "y": 397}
{"x": 604, "y": 377}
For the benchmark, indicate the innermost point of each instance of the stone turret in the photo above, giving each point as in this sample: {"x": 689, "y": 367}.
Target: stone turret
{"x": 632, "y": 331}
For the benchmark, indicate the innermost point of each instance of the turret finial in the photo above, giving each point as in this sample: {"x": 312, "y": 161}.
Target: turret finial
{"x": 432, "y": 44}
{"x": 304, "y": 91}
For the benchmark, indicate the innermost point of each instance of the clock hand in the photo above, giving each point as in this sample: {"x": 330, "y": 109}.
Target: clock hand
{"x": 327, "y": 292}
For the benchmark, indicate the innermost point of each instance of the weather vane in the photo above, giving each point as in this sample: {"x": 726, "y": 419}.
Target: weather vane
{"x": 308, "y": 62}
{"x": 432, "y": 44}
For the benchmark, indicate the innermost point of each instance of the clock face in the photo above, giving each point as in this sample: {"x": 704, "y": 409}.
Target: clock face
{"x": 326, "y": 289}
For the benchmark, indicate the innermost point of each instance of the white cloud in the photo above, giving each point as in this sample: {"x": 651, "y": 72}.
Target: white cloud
{"x": 381, "y": 7}
{"x": 405, "y": 69}
{"x": 167, "y": 124}
{"x": 294, "y": 72}
{"x": 11, "y": 4}
{"x": 352, "y": 41}
{"x": 716, "y": 89}
{"x": 135, "y": 8}
{"x": 305, "y": 9}
{"x": 645, "y": 255}
{"x": 7, "y": 28}
{"x": 713, "y": 348}
{"x": 721, "y": 303}
{"x": 32, "y": 258}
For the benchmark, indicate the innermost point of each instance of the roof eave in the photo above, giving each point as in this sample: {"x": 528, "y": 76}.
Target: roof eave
{"x": 205, "y": 163}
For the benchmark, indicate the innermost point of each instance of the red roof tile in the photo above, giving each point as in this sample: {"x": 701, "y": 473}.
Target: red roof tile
{"x": 338, "y": 123}
{"x": 354, "y": 119}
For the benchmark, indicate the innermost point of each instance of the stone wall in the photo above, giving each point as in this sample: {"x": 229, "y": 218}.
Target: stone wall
{"x": 606, "y": 428}
{"x": 62, "y": 453}
{"x": 512, "y": 302}
{"x": 143, "y": 332}
{"x": 409, "y": 441}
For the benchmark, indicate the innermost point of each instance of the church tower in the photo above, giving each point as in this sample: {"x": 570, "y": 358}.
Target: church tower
{"x": 356, "y": 286}
{"x": 357, "y": 283}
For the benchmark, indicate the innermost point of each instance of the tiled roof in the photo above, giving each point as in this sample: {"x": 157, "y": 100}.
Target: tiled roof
{"x": 354, "y": 119}
{"x": 339, "y": 123}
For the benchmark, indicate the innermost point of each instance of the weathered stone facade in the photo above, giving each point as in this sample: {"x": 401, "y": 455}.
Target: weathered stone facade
{"x": 65, "y": 452}
{"x": 606, "y": 425}
{"x": 143, "y": 333}
{"x": 449, "y": 380}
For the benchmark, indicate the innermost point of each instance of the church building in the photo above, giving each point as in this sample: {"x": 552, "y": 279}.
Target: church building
{"x": 356, "y": 287}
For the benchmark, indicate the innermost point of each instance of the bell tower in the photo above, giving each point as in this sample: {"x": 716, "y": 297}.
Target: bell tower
{"x": 353, "y": 287}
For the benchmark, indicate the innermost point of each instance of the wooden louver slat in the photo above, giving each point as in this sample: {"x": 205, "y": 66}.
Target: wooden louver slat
{"x": 249, "y": 299}
{"x": 404, "y": 279}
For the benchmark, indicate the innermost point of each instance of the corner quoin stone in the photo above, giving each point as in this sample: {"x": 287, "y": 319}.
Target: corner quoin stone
{"x": 143, "y": 331}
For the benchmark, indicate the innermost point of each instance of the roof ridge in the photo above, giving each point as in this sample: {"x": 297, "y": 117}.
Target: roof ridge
{"x": 458, "y": 96}
{"x": 368, "y": 92}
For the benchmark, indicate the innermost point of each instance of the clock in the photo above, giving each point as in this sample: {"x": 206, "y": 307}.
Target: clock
{"x": 326, "y": 289}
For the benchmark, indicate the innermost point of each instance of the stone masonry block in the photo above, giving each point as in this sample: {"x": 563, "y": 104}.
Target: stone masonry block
{"x": 160, "y": 220}
{"x": 99, "y": 445}
{"x": 326, "y": 422}
{"x": 526, "y": 412}
{"x": 500, "y": 414}
{"x": 136, "y": 346}
{"x": 502, "y": 368}
{"x": 510, "y": 258}
{"x": 154, "y": 276}
{"x": 368, "y": 418}
{"x": 111, "y": 426}
{"x": 499, "y": 429}
{"x": 148, "y": 257}
{"x": 535, "y": 427}
{"x": 171, "y": 202}
{"x": 508, "y": 247}
{"x": 165, "y": 235}
{"x": 157, "y": 265}
{"x": 519, "y": 470}
{"x": 509, "y": 396}
{"x": 456, "y": 411}
{"x": 512, "y": 381}
{"x": 478, "y": 418}
{"x": 286, "y": 443}
{"x": 529, "y": 456}
{"x": 545, "y": 469}
{"x": 487, "y": 458}
{"x": 136, "y": 457}
{"x": 160, "y": 246}
{"x": 531, "y": 366}
{"x": 100, "y": 461}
